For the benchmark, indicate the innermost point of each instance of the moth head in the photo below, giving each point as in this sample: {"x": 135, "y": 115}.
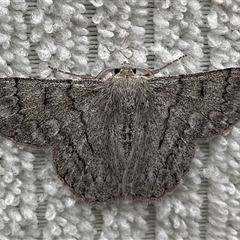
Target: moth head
{"x": 128, "y": 69}
{"x": 125, "y": 68}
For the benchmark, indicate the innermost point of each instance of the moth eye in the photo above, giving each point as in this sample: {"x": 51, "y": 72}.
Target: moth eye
{"x": 116, "y": 70}
{"x": 134, "y": 70}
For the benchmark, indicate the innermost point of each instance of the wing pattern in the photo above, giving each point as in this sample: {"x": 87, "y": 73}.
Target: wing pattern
{"x": 129, "y": 135}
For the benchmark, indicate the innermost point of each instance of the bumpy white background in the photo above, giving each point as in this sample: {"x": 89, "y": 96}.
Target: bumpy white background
{"x": 84, "y": 37}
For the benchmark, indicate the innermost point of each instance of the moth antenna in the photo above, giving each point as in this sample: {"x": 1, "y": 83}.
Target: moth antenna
{"x": 73, "y": 74}
{"x": 124, "y": 40}
{"x": 123, "y": 54}
{"x": 160, "y": 69}
{"x": 121, "y": 48}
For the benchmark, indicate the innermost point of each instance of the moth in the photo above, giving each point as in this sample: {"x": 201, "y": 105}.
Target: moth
{"x": 130, "y": 134}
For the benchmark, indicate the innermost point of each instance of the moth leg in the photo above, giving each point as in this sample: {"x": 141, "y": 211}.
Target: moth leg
{"x": 144, "y": 70}
{"x": 104, "y": 73}
{"x": 101, "y": 75}
{"x": 73, "y": 74}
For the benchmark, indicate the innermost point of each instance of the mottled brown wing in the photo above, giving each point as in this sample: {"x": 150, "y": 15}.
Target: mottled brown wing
{"x": 128, "y": 136}
{"x": 33, "y": 111}
{"x": 61, "y": 114}
{"x": 187, "y": 108}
